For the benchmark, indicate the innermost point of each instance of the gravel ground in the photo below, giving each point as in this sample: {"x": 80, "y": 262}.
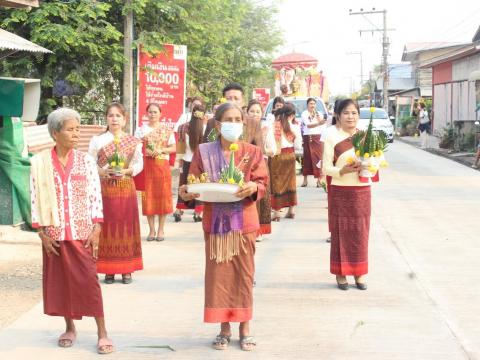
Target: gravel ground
{"x": 20, "y": 279}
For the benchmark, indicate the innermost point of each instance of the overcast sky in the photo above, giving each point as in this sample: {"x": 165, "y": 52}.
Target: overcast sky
{"x": 325, "y": 29}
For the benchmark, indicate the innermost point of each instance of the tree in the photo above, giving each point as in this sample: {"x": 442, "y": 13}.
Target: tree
{"x": 227, "y": 40}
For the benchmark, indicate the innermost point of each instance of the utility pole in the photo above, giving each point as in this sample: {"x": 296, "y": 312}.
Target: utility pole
{"x": 128, "y": 66}
{"x": 385, "y": 45}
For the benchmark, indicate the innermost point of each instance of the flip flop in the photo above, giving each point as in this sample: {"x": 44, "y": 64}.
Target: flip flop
{"x": 105, "y": 346}
{"x": 67, "y": 339}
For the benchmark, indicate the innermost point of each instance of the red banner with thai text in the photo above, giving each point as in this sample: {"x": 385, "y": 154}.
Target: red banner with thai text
{"x": 161, "y": 80}
{"x": 262, "y": 95}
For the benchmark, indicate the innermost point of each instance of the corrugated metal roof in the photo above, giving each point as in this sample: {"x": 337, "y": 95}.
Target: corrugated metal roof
{"x": 37, "y": 137}
{"x": 9, "y": 41}
{"x": 19, "y": 4}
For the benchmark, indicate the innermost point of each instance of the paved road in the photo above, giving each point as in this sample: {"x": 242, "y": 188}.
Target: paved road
{"x": 422, "y": 302}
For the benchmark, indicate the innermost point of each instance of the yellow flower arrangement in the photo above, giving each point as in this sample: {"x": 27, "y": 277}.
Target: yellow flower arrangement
{"x": 233, "y": 147}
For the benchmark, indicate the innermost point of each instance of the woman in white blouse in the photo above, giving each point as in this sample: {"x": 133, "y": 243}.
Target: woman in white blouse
{"x": 190, "y": 136}
{"x": 313, "y": 125}
{"x": 119, "y": 157}
{"x": 282, "y": 165}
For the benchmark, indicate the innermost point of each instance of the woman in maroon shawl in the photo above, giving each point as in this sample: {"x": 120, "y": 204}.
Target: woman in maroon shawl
{"x": 230, "y": 228}
{"x": 349, "y": 207}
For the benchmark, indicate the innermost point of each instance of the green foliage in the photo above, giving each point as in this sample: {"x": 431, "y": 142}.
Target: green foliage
{"x": 407, "y": 120}
{"x": 227, "y": 40}
{"x": 448, "y": 138}
{"x": 467, "y": 142}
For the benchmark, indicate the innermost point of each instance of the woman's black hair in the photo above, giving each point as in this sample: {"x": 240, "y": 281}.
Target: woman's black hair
{"x": 311, "y": 99}
{"x": 222, "y": 109}
{"x": 254, "y": 102}
{"x": 282, "y": 115}
{"x": 195, "y": 127}
{"x": 277, "y": 100}
{"x": 344, "y": 103}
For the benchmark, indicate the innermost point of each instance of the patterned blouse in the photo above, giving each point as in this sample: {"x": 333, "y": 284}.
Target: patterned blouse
{"x": 79, "y": 197}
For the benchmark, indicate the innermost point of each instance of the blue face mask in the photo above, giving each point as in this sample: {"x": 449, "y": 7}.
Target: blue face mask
{"x": 231, "y": 131}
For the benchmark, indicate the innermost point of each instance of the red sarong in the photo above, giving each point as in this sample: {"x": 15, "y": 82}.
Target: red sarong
{"x": 312, "y": 154}
{"x": 157, "y": 197}
{"x": 70, "y": 282}
{"x": 329, "y": 201}
{"x": 229, "y": 285}
{"x": 350, "y": 226}
{"x": 120, "y": 249}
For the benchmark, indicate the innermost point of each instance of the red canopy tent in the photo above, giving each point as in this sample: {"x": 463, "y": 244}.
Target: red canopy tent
{"x": 293, "y": 61}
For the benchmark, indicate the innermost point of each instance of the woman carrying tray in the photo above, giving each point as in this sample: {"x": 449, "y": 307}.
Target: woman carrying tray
{"x": 230, "y": 229}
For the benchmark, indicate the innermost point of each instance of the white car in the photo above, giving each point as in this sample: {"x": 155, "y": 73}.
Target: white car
{"x": 381, "y": 121}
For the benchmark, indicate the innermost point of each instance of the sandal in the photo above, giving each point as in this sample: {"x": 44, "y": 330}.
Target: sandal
{"x": 290, "y": 216}
{"x": 197, "y": 218}
{"x": 109, "y": 279}
{"x": 105, "y": 346}
{"x": 150, "y": 238}
{"x": 247, "y": 343}
{"x": 127, "y": 278}
{"x": 221, "y": 342}
{"x": 67, "y": 339}
{"x": 177, "y": 217}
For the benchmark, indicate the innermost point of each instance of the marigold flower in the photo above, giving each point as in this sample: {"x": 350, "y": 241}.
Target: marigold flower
{"x": 357, "y": 152}
{"x": 113, "y": 163}
{"x": 366, "y": 155}
{"x": 121, "y": 164}
{"x": 231, "y": 181}
{"x": 233, "y": 147}
{"x": 223, "y": 100}
{"x": 372, "y": 109}
{"x": 116, "y": 140}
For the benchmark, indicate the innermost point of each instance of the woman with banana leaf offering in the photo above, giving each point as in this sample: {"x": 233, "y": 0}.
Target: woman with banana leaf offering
{"x": 119, "y": 157}
{"x": 155, "y": 181}
{"x": 349, "y": 207}
{"x": 230, "y": 229}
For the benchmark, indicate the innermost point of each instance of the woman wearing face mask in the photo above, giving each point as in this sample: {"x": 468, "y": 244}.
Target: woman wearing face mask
{"x": 349, "y": 206}
{"x": 282, "y": 165}
{"x": 269, "y": 148}
{"x": 230, "y": 229}
{"x": 120, "y": 250}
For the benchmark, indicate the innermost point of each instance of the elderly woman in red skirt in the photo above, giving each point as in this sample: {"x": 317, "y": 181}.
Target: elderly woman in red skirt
{"x": 349, "y": 212}
{"x": 67, "y": 211}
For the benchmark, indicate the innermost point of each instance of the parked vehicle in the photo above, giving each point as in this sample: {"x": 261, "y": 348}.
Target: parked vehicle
{"x": 381, "y": 121}
{"x": 300, "y": 103}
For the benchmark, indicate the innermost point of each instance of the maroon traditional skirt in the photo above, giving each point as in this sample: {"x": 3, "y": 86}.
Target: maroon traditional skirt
{"x": 70, "y": 282}
{"x": 312, "y": 154}
{"x": 350, "y": 226}
{"x": 229, "y": 285}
